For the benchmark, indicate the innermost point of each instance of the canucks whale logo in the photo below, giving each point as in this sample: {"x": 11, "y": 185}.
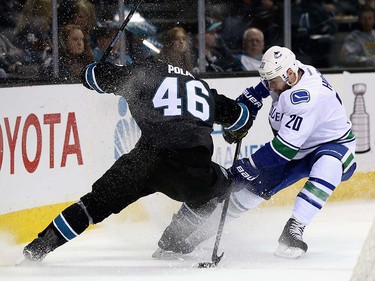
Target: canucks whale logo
{"x": 300, "y": 96}
{"x": 127, "y": 131}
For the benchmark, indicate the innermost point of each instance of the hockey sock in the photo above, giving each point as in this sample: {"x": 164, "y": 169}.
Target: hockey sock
{"x": 68, "y": 224}
{"x": 241, "y": 201}
{"x": 325, "y": 176}
{"x": 72, "y": 221}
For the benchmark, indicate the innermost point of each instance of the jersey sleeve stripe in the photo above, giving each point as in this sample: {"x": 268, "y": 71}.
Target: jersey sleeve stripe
{"x": 267, "y": 156}
{"x": 348, "y": 137}
{"x": 283, "y": 148}
{"x": 90, "y": 78}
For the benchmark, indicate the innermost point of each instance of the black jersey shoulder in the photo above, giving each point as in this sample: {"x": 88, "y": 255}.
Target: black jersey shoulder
{"x": 154, "y": 66}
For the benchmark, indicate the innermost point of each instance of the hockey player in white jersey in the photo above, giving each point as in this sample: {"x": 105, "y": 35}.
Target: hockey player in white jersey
{"x": 313, "y": 139}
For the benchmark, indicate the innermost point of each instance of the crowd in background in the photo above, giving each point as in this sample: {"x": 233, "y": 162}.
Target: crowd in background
{"x": 325, "y": 33}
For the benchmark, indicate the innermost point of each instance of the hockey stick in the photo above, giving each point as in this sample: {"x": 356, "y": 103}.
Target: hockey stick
{"x": 215, "y": 259}
{"x": 119, "y": 33}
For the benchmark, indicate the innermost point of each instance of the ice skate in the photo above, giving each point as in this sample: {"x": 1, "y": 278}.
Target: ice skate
{"x": 161, "y": 254}
{"x": 291, "y": 245}
{"x": 173, "y": 243}
{"x": 38, "y": 249}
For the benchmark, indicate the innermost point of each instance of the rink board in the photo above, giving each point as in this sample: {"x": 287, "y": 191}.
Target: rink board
{"x": 26, "y": 224}
{"x": 55, "y": 141}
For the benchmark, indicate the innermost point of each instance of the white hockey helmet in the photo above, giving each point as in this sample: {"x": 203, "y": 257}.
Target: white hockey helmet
{"x": 275, "y": 62}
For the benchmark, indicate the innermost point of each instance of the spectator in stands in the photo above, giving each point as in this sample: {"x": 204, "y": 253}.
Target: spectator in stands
{"x": 253, "y": 46}
{"x": 344, "y": 8}
{"x": 314, "y": 32}
{"x": 370, "y": 3}
{"x": 78, "y": 12}
{"x": 235, "y": 25}
{"x": 10, "y": 57}
{"x": 105, "y": 9}
{"x": 177, "y": 49}
{"x": 267, "y": 15}
{"x": 103, "y": 36}
{"x": 218, "y": 56}
{"x": 9, "y": 12}
{"x": 33, "y": 31}
{"x": 74, "y": 53}
{"x": 359, "y": 46}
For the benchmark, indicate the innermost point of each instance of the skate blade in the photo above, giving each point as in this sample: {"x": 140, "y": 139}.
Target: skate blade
{"x": 161, "y": 254}
{"x": 286, "y": 252}
{"x": 26, "y": 262}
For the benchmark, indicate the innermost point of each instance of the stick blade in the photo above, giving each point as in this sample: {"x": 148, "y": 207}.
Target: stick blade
{"x": 206, "y": 264}
{"x": 214, "y": 263}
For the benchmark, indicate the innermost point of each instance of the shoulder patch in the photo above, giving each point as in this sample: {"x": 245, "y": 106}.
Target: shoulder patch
{"x": 300, "y": 96}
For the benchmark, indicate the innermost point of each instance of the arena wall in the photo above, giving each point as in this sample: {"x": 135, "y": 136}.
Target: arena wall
{"x": 56, "y": 140}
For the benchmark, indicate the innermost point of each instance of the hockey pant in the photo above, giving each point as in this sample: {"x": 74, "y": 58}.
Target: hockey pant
{"x": 325, "y": 168}
{"x": 144, "y": 171}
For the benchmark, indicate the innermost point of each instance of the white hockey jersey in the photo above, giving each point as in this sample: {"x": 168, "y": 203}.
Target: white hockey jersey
{"x": 309, "y": 114}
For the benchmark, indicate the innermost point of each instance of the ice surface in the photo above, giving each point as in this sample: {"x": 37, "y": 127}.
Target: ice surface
{"x": 123, "y": 251}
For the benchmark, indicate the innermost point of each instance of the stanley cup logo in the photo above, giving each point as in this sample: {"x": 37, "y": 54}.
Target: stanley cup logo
{"x": 360, "y": 119}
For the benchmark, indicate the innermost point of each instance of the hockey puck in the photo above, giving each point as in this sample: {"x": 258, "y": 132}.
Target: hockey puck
{"x": 206, "y": 264}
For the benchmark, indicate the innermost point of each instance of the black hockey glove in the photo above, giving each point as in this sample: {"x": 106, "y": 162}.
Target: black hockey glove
{"x": 252, "y": 98}
{"x": 238, "y": 130}
{"x": 88, "y": 75}
{"x": 234, "y": 136}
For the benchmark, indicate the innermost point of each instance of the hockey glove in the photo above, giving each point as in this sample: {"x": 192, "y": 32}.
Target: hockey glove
{"x": 88, "y": 76}
{"x": 234, "y": 136}
{"x": 252, "y": 98}
{"x": 243, "y": 172}
{"x": 238, "y": 130}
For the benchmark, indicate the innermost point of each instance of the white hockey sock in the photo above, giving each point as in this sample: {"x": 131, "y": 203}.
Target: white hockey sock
{"x": 241, "y": 201}
{"x": 325, "y": 176}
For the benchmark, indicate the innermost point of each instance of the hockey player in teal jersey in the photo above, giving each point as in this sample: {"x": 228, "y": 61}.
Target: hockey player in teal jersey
{"x": 175, "y": 112}
{"x": 312, "y": 139}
